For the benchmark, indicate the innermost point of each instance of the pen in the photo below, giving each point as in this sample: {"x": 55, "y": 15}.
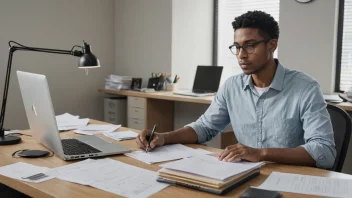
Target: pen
{"x": 150, "y": 138}
{"x": 175, "y": 80}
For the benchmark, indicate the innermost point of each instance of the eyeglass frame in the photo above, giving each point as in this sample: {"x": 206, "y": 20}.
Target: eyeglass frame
{"x": 239, "y": 47}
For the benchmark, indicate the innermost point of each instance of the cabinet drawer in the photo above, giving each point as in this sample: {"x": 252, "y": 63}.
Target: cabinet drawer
{"x": 135, "y": 123}
{"x": 136, "y": 102}
{"x": 134, "y": 112}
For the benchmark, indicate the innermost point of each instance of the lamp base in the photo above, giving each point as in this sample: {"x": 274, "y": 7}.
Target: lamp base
{"x": 8, "y": 140}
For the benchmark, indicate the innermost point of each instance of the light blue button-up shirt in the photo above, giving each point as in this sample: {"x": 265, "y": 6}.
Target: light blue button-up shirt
{"x": 291, "y": 113}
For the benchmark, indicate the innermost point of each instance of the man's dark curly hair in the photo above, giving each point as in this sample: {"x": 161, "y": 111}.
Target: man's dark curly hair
{"x": 268, "y": 27}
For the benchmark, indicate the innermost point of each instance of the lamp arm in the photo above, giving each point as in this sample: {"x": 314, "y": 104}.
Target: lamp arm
{"x": 6, "y": 89}
{"x": 8, "y": 72}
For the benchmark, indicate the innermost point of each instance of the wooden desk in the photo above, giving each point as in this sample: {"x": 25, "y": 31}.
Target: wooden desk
{"x": 160, "y": 105}
{"x": 168, "y": 95}
{"x": 160, "y": 95}
{"x": 347, "y": 106}
{"x": 60, "y": 188}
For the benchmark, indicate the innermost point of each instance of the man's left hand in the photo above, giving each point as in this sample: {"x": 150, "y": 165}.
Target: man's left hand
{"x": 239, "y": 151}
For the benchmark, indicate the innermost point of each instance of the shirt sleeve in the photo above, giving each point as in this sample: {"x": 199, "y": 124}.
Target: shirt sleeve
{"x": 214, "y": 120}
{"x": 318, "y": 131}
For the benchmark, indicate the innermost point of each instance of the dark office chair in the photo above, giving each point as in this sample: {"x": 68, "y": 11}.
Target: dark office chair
{"x": 341, "y": 123}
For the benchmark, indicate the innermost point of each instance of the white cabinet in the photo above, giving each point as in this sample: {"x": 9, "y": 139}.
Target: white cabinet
{"x": 136, "y": 123}
{"x": 136, "y": 112}
{"x": 136, "y": 102}
{"x": 115, "y": 109}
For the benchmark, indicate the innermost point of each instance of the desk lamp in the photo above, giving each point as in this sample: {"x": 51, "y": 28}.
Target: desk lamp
{"x": 87, "y": 60}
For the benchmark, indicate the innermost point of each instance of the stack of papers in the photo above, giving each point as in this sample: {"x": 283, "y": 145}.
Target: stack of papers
{"x": 116, "y": 82}
{"x": 332, "y": 98}
{"x": 67, "y": 122}
{"x": 212, "y": 176}
{"x": 166, "y": 153}
{"x": 122, "y": 135}
{"x": 310, "y": 185}
{"x": 211, "y": 167}
{"x": 93, "y": 129}
{"x": 21, "y": 170}
{"x": 112, "y": 176}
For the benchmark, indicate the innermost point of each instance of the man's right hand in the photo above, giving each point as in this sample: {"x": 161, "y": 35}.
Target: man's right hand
{"x": 142, "y": 143}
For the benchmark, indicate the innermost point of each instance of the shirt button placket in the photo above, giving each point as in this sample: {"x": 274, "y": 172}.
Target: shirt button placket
{"x": 259, "y": 116}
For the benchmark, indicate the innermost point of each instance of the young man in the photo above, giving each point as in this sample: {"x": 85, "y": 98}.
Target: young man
{"x": 277, "y": 114}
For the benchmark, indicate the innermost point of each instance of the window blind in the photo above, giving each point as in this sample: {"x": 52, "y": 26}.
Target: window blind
{"x": 227, "y": 11}
{"x": 346, "y": 54}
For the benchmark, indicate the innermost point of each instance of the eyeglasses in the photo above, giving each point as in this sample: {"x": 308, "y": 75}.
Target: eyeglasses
{"x": 248, "y": 47}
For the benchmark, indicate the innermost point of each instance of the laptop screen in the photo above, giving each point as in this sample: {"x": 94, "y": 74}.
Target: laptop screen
{"x": 207, "y": 79}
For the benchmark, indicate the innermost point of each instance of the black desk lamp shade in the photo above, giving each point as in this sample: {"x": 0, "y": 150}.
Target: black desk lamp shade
{"x": 87, "y": 60}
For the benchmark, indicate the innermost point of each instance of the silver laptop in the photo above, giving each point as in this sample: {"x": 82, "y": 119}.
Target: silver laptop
{"x": 41, "y": 117}
{"x": 206, "y": 82}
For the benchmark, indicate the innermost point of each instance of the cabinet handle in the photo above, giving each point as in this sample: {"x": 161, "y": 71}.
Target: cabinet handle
{"x": 135, "y": 122}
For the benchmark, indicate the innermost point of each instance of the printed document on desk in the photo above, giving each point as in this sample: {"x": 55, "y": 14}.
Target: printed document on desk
{"x": 21, "y": 169}
{"x": 311, "y": 185}
{"x": 65, "y": 117}
{"x": 112, "y": 176}
{"x": 164, "y": 153}
{"x": 67, "y": 121}
{"x": 122, "y": 135}
{"x": 93, "y": 129}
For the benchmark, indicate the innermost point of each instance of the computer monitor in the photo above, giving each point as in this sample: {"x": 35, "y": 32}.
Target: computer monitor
{"x": 207, "y": 79}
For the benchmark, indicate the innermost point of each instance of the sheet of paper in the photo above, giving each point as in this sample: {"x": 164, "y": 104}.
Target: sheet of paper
{"x": 211, "y": 167}
{"x": 100, "y": 127}
{"x": 66, "y": 116}
{"x": 164, "y": 153}
{"x": 332, "y": 98}
{"x": 128, "y": 181}
{"x": 21, "y": 169}
{"x": 202, "y": 151}
{"x": 94, "y": 129}
{"x": 87, "y": 132}
{"x": 311, "y": 185}
{"x": 72, "y": 124}
{"x": 12, "y": 131}
{"x": 76, "y": 172}
{"x": 122, "y": 135}
{"x": 112, "y": 176}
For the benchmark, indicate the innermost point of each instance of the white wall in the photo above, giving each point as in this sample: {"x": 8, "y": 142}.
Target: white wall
{"x": 192, "y": 45}
{"x": 307, "y": 43}
{"x": 307, "y": 40}
{"x": 57, "y": 24}
{"x": 142, "y": 37}
{"x": 192, "y": 38}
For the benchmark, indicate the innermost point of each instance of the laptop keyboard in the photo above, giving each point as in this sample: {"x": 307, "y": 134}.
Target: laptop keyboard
{"x": 76, "y": 147}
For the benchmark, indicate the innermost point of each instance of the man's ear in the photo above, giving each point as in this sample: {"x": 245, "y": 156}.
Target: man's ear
{"x": 272, "y": 45}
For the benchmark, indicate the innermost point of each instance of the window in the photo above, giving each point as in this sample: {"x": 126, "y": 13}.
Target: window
{"x": 225, "y": 13}
{"x": 344, "y": 47}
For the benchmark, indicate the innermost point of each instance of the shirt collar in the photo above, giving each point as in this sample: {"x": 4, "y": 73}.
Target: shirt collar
{"x": 247, "y": 82}
{"x": 277, "y": 82}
